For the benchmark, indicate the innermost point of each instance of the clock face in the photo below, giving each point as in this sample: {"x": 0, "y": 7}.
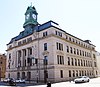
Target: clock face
{"x": 27, "y": 16}
{"x": 34, "y": 16}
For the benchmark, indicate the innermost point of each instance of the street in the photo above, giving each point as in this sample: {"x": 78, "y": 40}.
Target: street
{"x": 94, "y": 82}
{"x": 19, "y": 84}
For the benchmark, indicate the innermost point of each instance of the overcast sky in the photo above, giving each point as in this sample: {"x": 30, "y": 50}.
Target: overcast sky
{"x": 80, "y": 18}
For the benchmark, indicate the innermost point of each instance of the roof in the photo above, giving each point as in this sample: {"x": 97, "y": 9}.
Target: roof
{"x": 39, "y": 28}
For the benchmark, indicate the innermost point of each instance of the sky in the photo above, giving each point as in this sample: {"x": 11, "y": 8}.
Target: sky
{"x": 80, "y": 18}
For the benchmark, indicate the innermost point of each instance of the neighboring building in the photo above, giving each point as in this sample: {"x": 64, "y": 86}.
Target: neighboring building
{"x": 98, "y": 63}
{"x": 47, "y": 53}
{"x": 2, "y": 65}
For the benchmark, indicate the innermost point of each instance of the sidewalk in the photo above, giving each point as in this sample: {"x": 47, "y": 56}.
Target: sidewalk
{"x": 35, "y": 83}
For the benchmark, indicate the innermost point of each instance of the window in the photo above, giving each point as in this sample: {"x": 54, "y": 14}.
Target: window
{"x": 71, "y": 50}
{"x": 68, "y": 49}
{"x": 88, "y": 63}
{"x": 84, "y": 62}
{"x": 94, "y": 56}
{"x": 19, "y": 43}
{"x": 76, "y": 41}
{"x": 80, "y": 52}
{"x": 75, "y": 62}
{"x": 95, "y": 65}
{"x": 58, "y": 33}
{"x": 81, "y": 62}
{"x": 76, "y": 73}
{"x": 59, "y": 46}
{"x": 96, "y": 73}
{"x": 73, "y": 73}
{"x": 77, "y": 52}
{"x": 29, "y": 39}
{"x": 10, "y": 46}
{"x": 45, "y": 60}
{"x": 68, "y": 61}
{"x": 72, "y": 61}
{"x": 19, "y": 53}
{"x": 69, "y": 73}
{"x": 83, "y": 53}
{"x": 79, "y": 73}
{"x": 10, "y": 56}
{"x": 74, "y": 51}
{"x": 24, "y": 41}
{"x": 45, "y": 46}
{"x": 85, "y": 73}
{"x": 66, "y": 37}
{"x": 60, "y": 59}
{"x": 73, "y": 40}
{"x": 78, "y": 62}
{"x": 30, "y": 51}
{"x": 61, "y": 73}
{"x": 45, "y": 34}
{"x": 69, "y": 38}
{"x": 28, "y": 75}
{"x": 18, "y": 75}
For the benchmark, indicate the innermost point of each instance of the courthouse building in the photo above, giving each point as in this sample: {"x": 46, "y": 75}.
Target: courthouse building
{"x": 45, "y": 52}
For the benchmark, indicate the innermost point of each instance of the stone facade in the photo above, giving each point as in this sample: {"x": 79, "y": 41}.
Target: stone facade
{"x": 2, "y": 65}
{"x": 98, "y": 63}
{"x": 50, "y": 54}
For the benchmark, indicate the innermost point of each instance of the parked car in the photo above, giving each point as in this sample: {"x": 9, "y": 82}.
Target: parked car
{"x": 20, "y": 80}
{"x": 6, "y": 80}
{"x": 12, "y": 82}
{"x": 82, "y": 79}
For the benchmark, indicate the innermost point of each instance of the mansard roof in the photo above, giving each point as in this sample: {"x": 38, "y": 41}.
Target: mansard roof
{"x": 28, "y": 32}
{"x": 39, "y": 28}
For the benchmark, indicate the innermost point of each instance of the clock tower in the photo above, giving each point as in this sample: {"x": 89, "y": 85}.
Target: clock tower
{"x": 30, "y": 17}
